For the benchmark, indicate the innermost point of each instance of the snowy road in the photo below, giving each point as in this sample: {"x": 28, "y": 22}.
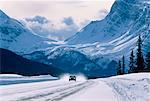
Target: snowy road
{"x": 57, "y": 93}
{"x": 122, "y": 88}
{"x": 43, "y": 91}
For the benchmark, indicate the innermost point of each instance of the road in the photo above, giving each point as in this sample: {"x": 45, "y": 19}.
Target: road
{"x": 42, "y": 91}
{"x": 121, "y": 88}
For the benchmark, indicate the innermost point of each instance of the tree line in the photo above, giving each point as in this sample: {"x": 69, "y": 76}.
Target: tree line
{"x": 136, "y": 63}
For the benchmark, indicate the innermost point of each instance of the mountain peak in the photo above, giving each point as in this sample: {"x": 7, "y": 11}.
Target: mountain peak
{"x": 3, "y": 15}
{"x": 122, "y": 16}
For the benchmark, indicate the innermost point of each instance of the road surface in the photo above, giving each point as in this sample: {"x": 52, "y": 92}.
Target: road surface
{"x": 126, "y": 88}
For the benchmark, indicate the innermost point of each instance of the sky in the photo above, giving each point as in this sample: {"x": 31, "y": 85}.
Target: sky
{"x": 61, "y": 13}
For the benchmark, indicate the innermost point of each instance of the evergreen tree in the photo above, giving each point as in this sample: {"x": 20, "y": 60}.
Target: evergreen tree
{"x": 123, "y": 65}
{"x": 147, "y": 62}
{"x": 119, "y": 68}
{"x": 132, "y": 63}
{"x": 139, "y": 60}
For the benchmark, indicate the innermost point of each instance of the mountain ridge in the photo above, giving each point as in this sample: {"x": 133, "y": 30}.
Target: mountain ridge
{"x": 18, "y": 38}
{"x": 13, "y": 63}
{"x": 121, "y": 17}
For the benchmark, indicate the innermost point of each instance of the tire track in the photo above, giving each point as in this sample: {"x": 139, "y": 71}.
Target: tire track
{"x": 69, "y": 92}
{"x": 58, "y": 93}
{"x": 50, "y": 86}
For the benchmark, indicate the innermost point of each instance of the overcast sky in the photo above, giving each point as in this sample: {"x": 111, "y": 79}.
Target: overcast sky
{"x": 57, "y": 9}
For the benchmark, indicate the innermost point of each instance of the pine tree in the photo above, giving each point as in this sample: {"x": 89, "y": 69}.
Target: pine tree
{"x": 123, "y": 65}
{"x": 119, "y": 68}
{"x": 147, "y": 62}
{"x": 132, "y": 63}
{"x": 139, "y": 60}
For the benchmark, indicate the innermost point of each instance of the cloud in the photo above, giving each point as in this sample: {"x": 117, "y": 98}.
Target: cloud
{"x": 38, "y": 19}
{"x": 68, "y": 21}
{"x": 80, "y": 10}
{"x": 59, "y": 31}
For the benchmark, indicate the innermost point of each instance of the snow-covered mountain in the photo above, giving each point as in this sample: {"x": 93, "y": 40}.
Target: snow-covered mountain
{"x": 126, "y": 17}
{"x": 73, "y": 61}
{"x": 117, "y": 33}
{"x": 17, "y": 37}
{"x": 102, "y": 42}
{"x": 95, "y": 50}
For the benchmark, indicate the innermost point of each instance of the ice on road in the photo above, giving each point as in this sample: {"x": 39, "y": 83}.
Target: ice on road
{"x": 132, "y": 87}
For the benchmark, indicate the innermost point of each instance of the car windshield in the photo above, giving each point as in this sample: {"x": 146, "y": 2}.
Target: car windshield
{"x": 72, "y": 76}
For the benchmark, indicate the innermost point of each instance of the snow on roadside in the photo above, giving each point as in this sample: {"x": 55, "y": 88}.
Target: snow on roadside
{"x": 134, "y": 76}
{"x": 7, "y": 79}
{"x": 131, "y": 87}
{"x": 10, "y": 76}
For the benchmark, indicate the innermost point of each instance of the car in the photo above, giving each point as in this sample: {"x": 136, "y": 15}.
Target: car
{"x": 72, "y": 78}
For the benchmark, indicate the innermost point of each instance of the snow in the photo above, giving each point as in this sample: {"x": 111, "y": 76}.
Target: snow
{"x": 99, "y": 43}
{"x": 133, "y": 87}
{"x": 10, "y": 75}
{"x": 134, "y": 76}
{"x": 8, "y": 79}
{"x": 118, "y": 31}
{"x": 129, "y": 87}
{"x": 98, "y": 91}
{"x": 112, "y": 37}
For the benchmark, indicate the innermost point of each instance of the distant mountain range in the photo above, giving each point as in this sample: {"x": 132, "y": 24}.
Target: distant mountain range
{"x": 95, "y": 50}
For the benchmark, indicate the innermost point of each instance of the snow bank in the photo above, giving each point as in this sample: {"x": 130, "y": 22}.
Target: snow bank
{"x": 9, "y": 75}
{"x": 131, "y": 87}
{"x": 134, "y": 76}
{"x": 7, "y": 79}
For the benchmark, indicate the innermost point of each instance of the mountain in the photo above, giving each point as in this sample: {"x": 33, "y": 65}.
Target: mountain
{"x": 95, "y": 50}
{"x": 126, "y": 18}
{"x": 72, "y": 61}
{"x": 15, "y": 64}
{"x": 17, "y": 37}
{"x": 101, "y": 43}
